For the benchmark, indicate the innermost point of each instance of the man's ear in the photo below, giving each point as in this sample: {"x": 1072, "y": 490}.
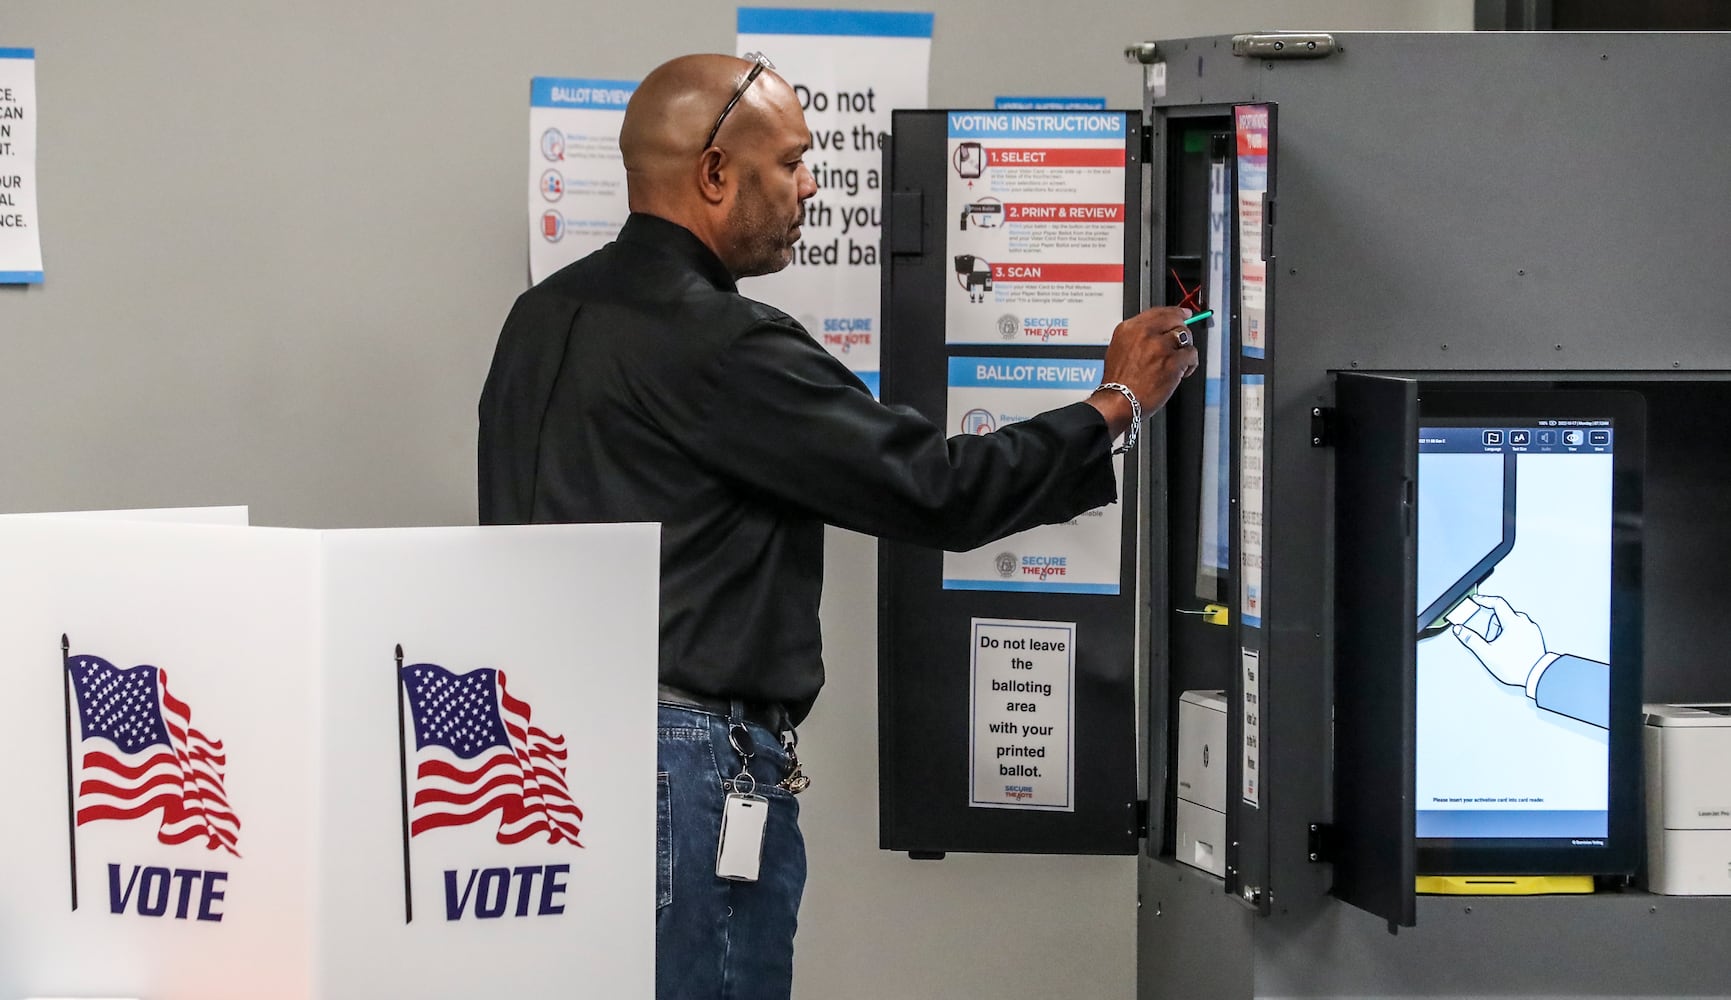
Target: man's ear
{"x": 713, "y": 171}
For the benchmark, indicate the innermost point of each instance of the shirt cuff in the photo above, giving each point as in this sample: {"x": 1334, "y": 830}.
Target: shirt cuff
{"x": 1539, "y": 668}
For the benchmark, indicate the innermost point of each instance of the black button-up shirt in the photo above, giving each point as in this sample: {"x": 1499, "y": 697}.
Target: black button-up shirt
{"x": 638, "y": 385}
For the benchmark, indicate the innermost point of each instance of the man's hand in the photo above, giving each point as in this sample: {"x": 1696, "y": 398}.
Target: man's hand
{"x": 1145, "y": 355}
{"x": 1511, "y": 656}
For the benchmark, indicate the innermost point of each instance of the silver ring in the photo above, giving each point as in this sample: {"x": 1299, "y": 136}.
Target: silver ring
{"x": 1184, "y": 339}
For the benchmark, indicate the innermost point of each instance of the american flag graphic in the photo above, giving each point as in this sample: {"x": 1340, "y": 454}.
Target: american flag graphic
{"x": 477, "y": 753}
{"x": 141, "y": 754}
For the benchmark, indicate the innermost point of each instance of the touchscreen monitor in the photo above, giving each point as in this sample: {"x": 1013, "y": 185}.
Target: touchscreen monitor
{"x": 1526, "y": 633}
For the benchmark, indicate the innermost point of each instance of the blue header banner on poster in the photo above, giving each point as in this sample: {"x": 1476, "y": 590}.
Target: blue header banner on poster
{"x": 871, "y": 23}
{"x": 1049, "y": 103}
{"x": 1035, "y": 125}
{"x": 599, "y": 95}
{"x": 1022, "y": 373}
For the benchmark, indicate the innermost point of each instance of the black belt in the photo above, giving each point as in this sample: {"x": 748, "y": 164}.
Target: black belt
{"x": 771, "y": 715}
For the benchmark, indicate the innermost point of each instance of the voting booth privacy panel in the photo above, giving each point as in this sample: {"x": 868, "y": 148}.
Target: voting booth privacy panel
{"x": 280, "y": 763}
{"x": 1488, "y": 256}
{"x": 1006, "y": 680}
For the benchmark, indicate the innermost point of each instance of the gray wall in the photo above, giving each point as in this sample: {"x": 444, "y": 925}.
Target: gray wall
{"x": 279, "y": 240}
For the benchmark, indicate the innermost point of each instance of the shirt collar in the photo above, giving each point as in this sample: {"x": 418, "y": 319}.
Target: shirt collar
{"x": 674, "y": 239}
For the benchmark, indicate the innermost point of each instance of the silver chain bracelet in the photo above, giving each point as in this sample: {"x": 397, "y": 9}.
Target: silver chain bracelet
{"x": 1135, "y": 415}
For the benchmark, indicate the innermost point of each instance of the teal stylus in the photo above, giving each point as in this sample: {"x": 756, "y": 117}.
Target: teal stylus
{"x": 1199, "y": 317}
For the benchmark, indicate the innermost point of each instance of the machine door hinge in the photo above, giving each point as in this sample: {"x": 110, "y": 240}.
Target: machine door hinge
{"x": 1267, "y": 228}
{"x": 907, "y": 229}
{"x": 1321, "y": 846}
{"x": 1285, "y": 45}
{"x": 1147, "y": 144}
{"x": 1321, "y": 429}
{"x": 1139, "y": 818}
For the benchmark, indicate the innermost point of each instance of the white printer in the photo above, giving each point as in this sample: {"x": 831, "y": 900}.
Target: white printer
{"x": 1201, "y": 819}
{"x": 1688, "y": 748}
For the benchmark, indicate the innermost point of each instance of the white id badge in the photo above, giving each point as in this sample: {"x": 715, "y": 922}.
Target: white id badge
{"x": 739, "y": 853}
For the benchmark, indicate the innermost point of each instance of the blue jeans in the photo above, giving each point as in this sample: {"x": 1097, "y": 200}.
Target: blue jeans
{"x": 716, "y": 938}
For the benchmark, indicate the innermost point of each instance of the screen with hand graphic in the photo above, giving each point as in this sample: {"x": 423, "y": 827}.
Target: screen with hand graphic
{"x": 1513, "y": 632}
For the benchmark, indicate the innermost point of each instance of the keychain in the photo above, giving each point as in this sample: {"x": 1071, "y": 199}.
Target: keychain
{"x": 796, "y": 780}
{"x": 744, "y": 816}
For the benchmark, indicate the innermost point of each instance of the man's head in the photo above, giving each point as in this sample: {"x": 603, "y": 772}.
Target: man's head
{"x": 743, "y": 194}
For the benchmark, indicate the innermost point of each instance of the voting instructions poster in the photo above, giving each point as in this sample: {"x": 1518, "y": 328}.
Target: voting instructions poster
{"x": 1080, "y": 556}
{"x": 20, "y": 232}
{"x": 1022, "y": 715}
{"x": 576, "y": 175}
{"x": 1035, "y": 218}
{"x": 849, "y": 68}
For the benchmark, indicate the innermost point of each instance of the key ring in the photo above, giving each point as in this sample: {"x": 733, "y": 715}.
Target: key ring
{"x": 735, "y": 730}
{"x": 796, "y": 780}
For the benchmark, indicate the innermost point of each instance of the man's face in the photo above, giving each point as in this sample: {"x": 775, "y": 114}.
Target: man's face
{"x": 763, "y": 223}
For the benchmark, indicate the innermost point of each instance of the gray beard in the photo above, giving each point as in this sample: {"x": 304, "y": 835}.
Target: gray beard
{"x": 760, "y": 244}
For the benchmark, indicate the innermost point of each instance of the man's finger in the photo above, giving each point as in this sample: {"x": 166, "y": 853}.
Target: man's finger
{"x": 1471, "y": 640}
{"x": 1497, "y": 604}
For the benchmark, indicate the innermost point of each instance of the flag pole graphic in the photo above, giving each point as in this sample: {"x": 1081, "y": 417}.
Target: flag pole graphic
{"x": 403, "y": 774}
{"x": 71, "y": 791}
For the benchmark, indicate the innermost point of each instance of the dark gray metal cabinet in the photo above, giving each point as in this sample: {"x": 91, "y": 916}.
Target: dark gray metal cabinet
{"x": 1528, "y": 207}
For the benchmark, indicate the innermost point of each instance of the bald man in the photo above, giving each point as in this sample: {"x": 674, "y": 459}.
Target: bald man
{"x": 638, "y": 385}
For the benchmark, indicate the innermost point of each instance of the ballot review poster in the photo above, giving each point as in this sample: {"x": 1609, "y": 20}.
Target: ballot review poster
{"x": 1035, "y": 220}
{"x": 577, "y": 198}
{"x": 1078, "y": 556}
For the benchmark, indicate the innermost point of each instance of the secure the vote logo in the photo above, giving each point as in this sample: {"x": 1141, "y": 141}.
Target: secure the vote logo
{"x": 1044, "y": 328}
{"x": 481, "y": 760}
{"x": 134, "y": 756}
{"x": 1044, "y": 567}
{"x": 843, "y": 333}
